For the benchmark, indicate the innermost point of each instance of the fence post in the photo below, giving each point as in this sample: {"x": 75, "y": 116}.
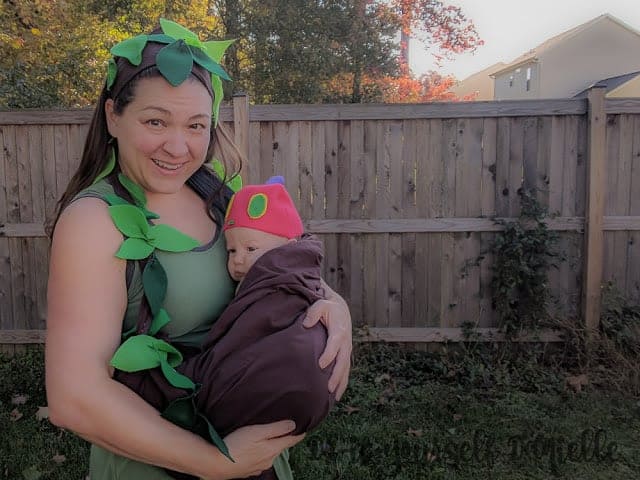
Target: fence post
{"x": 241, "y": 130}
{"x": 596, "y": 186}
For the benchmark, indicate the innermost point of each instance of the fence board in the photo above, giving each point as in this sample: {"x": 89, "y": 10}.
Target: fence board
{"x": 450, "y": 153}
{"x": 435, "y": 177}
{"x": 408, "y": 248}
{"x": 343, "y": 198}
{"x": 369, "y": 241}
{"x": 6, "y": 299}
{"x": 356, "y": 203}
{"x": 488, "y": 208}
{"x": 422, "y": 270}
{"x": 633, "y": 247}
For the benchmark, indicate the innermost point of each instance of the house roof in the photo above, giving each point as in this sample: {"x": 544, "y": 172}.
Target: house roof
{"x": 533, "y": 54}
{"x": 610, "y": 83}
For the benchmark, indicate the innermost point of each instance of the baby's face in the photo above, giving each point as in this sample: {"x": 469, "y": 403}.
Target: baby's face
{"x": 245, "y": 246}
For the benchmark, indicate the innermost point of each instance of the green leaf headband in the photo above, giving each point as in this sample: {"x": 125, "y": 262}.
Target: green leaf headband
{"x": 175, "y": 61}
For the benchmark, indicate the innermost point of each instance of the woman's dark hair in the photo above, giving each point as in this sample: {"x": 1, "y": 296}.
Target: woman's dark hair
{"x": 98, "y": 142}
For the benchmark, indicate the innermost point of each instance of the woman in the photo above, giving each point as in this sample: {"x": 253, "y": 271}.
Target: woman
{"x": 157, "y": 118}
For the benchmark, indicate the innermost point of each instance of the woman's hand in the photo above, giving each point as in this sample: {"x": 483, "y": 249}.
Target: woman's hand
{"x": 254, "y": 448}
{"x": 334, "y": 314}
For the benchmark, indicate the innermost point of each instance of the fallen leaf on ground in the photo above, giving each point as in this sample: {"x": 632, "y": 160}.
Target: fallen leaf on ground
{"x": 414, "y": 433}
{"x": 383, "y": 377}
{"x": 42, "y": 413}
{"x": 32, "y": 473}
{"x": 577, "y": 382}
{"x": 59, "y": 459}
{"x": 15, "y": 415}
{"x": 457, "y": 417}
{"x": 349, "y": 409}
{"x": 19, "y": 399}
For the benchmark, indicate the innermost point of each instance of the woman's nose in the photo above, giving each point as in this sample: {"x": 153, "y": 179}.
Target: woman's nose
{"x": 176, "y": 144}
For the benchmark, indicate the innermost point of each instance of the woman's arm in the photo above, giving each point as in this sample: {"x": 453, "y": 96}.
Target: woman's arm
{"x": 334, "y": 313}
{"x": 86, "y": 303}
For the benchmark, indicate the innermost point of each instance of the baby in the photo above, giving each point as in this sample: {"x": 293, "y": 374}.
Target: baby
{"x": 258, "y": 364}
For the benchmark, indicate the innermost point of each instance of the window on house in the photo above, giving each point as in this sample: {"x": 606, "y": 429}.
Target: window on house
{"x": 511, "y": 81}
{"x": 528, "y": 78}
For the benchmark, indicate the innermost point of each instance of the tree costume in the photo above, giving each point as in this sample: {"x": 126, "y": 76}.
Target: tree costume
{"x": 176, "y": 53}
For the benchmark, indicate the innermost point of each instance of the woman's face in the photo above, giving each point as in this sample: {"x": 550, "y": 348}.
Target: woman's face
{"x": 163, "y": 133}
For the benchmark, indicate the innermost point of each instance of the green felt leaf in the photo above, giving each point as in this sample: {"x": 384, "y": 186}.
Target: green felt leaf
{"x": 175, "y": 62}
{"x": 131, "y": 49}
{"x": 142, "y": 352}
{"x": 211, "y": 65}
{"x": 134, "y": 249}
{"x": 218, "y": 95}
{"x": 154, "y": 282}
{"x": 182, "y": 412}
{"x": 217, "y": 439}
{"x": 111, "y": 163}
{"x": 112, "y": 71}
{"x": 216, "y": 48}
{"x": 113, "y": 199}
{"x": 177, "y": 31}
{"x": 130, "y": 220}
{"x": 159, "y": 321}
{"x": 169, "y": 239}
{"x": 134, "y": 190}
{"x": 160, "y": 38}
{"x": 235, "y": 183}
{"x": 174, "y": 377}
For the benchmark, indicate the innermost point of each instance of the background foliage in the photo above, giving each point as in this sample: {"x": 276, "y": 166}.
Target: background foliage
{"x": 287, "y": 51}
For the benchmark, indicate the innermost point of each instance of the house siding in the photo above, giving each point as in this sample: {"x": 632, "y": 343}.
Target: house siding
{"x": 604, "y": 50}
{"x": 512, "y": 84}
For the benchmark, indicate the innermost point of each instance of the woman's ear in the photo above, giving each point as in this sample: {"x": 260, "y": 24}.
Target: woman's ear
{"x": 111, "y": 117}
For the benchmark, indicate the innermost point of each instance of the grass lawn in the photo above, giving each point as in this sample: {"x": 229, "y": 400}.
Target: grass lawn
{"x": 407, "y": 415}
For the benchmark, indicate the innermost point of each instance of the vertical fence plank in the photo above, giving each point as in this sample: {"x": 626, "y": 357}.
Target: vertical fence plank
{"x": 35, "y": 252}
{"x": 369, "y": 252}
{"x": 448, "y": 160}
{"x": 343, "y": 198}
{"x": 18, "y": 313}
{"x": 382, "y": 205}
{"x": 264, "y": 167}
{"x": 331, "y": 200}
{"x": 620, "y": 206}
{"x": 394, "y": 152}
{"x": 422, "y": 204}
{"x": 633, "y": 247}
{"x": 488, "y": 209}
{"x": 408, "y": 209}
{"x": 613, "y": 155}
{"x": 516, "y": 164}
{"x": 468, "y": 203}
{"x": 596, "y": 184}
{"x": 436, "y": 189}
{"x": 7, "y": 140}
{"x": 251, "y": 171}
{"x": 356, "y": 204}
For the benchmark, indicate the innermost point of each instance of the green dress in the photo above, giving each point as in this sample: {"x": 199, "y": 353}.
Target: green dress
{"x": 199, "y": 288}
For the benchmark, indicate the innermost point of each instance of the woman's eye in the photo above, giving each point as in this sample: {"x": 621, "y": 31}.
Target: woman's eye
{"x": 251, "y": 249}
{"x": 198, "y": 126}
{"x": 154, "y": 122}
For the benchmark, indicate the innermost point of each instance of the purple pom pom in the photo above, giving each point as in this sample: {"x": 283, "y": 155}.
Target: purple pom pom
{"x": 275, "y": 179}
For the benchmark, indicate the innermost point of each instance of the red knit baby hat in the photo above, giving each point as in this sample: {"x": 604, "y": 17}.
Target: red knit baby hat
{"x": 267, "y": 208}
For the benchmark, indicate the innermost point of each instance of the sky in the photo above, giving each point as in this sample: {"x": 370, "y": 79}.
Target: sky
{"x": 510, "y": 28}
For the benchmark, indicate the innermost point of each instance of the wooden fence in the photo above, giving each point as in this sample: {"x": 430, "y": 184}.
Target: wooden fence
{"x": 403, "y": 196}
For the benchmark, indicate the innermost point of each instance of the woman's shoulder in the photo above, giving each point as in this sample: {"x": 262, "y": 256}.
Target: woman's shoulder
{"x": 86, "y": 223}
